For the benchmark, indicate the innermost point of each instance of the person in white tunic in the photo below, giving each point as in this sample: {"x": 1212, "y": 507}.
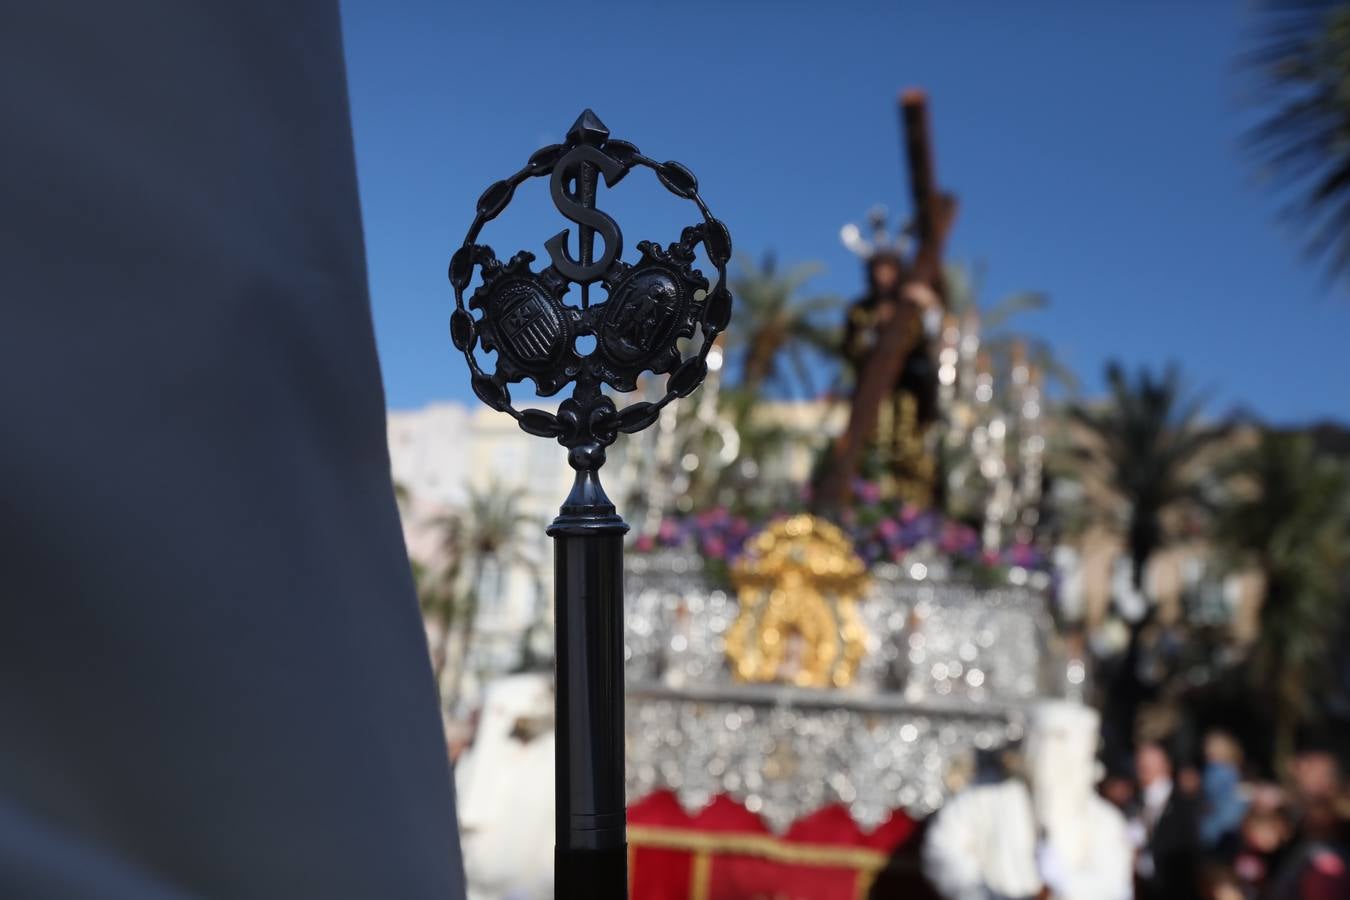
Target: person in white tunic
{"x": 1047, "y": 835}
{"x": 505, "y": 784}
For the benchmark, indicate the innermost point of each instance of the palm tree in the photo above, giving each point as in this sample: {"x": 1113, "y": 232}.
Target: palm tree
{"x": 491, "y": 541}
{"x": 437, "y": 583}
{"x": 773, "y": 323}
{"x": 776, "y": 330}
{"x": 439, "y": 589}
{"x": 1289, "y": 515}
{"x": 1302, "y": 71}
{"x": 1144, "y": 446}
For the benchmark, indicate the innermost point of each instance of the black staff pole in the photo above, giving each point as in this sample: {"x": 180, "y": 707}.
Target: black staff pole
{"x": 650, "y": 306}
{"x": 588, "y": 597}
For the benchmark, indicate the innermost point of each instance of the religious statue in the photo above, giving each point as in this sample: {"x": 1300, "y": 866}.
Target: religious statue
{"x": 909, "y": 463}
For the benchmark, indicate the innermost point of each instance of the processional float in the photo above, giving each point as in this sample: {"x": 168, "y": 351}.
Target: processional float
{"x": 650, "y": 308}
{"x": 804, "y": 691}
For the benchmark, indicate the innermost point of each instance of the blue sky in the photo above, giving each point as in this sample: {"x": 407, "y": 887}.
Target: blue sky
{"x": 1094, "y": 148}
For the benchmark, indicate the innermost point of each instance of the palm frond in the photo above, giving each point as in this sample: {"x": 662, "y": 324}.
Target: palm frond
{"x": 1287, "y": 514}
{"x": 1024, "y": 301}
{"x": 1300, "y": 67}
{"x": 771, "y": 319}
{"x": 1146, "y": 444}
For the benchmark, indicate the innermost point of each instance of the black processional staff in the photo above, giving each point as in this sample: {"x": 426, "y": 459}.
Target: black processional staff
{"x": 648, "y": 308}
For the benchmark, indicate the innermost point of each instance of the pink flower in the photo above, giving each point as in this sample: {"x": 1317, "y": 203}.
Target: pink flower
{"x": 644, "y": 543}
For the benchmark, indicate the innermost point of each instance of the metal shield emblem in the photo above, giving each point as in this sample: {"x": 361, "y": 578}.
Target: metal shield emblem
{"x": 651, "y": 306}
{"x": 531, "y": 328}
{"x": 524, "y": 320}
{"x": 638, "y": 318}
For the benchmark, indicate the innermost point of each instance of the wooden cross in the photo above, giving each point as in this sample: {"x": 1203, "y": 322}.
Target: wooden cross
{"x": 901, "y": 330}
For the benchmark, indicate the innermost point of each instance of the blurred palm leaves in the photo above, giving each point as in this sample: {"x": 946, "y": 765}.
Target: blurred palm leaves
{"x": 489, "y": 537}
{"x": 779, "y": 337}
{"x": 439, "y": 588}
{"x": 1301, "y": 66}
{"x": 1289, "y": 515}
{"x": 776, "y": 327}
{"x": 1146, "y": 445}
{"x": 476, "y": 545}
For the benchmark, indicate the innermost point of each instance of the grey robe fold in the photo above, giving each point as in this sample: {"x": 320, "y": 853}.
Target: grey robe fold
{"x": 213, "y": 677}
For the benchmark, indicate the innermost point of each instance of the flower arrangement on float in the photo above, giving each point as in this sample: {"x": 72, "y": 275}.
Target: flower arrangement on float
{"x": 881, "y": 531}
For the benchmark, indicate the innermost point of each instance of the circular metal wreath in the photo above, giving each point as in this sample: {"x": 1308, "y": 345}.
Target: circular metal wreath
{"x": 649, "y": 305}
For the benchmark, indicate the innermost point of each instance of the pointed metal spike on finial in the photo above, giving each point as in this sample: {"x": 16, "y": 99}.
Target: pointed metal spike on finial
{"x": 588, "y": 129}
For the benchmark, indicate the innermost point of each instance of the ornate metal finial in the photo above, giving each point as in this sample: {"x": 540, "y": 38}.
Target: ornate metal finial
{"x": 649, "y": 305}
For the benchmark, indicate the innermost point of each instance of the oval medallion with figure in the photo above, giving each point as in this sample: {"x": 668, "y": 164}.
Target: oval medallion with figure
{"x": 651, "y": 306}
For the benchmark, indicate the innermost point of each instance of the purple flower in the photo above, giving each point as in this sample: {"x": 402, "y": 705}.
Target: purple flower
{"x": 710, "y": 517}
{"x": 868, "y": 491}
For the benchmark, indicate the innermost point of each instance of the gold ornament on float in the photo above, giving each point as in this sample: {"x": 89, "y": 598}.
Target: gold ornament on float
{"x": 798, "y": 585}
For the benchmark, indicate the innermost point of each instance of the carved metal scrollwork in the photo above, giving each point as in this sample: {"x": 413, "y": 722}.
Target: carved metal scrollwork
{"x": 649, "y": 305}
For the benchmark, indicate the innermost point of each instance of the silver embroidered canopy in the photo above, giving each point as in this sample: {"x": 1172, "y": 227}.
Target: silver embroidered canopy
{"x": 949, "y": 669}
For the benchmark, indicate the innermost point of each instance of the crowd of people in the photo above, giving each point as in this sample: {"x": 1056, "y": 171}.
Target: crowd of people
{"x": 1202, "y": 830}
{"x": 1164, "y": 827}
